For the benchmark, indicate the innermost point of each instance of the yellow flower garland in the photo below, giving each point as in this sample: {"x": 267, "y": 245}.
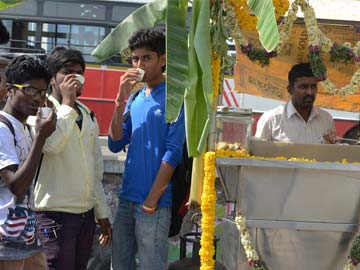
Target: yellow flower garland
{"x": 247, "y": 21}
{"x": 233, "y": 24}
{"x": 215, "y": 70}
{"x": 208, "y": 201}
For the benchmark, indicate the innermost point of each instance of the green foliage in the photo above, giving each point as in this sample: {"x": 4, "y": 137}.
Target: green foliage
{"x": 260, "y": 56}
{"x": 317, "y": 65}
{"x": 144, "y": 17}
{"x": 4, "y": 4}
{"x": 355, "y": 251}
{"x": 198, "y": 98}
{"x": 176, "y": 57}
{"x": 341, "y": 54}
{"x": 266, "y": 25}
{"x": 218, "y": 30}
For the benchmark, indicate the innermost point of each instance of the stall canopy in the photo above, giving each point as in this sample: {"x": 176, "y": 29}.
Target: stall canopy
{"x": 340, "y": 22}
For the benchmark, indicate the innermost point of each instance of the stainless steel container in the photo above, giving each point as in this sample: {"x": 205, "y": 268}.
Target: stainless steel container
{"x": 301, "y": 215}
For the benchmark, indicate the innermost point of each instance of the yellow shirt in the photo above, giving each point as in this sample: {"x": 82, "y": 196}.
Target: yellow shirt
{"x": 70, "y": 178}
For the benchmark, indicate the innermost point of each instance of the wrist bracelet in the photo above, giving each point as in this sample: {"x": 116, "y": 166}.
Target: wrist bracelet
{"x": 148, "y": 209}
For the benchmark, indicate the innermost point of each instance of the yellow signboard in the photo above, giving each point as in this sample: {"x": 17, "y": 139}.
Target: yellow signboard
{"x": 271, "y": 81}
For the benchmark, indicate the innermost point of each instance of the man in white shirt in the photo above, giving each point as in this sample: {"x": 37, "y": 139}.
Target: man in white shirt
{"x": 20, "y": 151}
{"x": 298, "y": 120}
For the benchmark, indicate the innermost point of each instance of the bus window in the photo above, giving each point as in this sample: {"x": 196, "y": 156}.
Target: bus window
{"x": 74, "y": 10}
{"x": 121, "y": 12}
{"x": 54, "y": 34}
{"x": 84, "y": 38}
{"x": 22, "y": 37}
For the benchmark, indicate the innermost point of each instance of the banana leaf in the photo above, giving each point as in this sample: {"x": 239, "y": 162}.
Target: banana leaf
{"x": 198, "y": 98}
{"x": 4, "y": 4}
{"x": 176, "y": 57}
{"x": 144, "y": 17}
{"x": 267, "y": 26}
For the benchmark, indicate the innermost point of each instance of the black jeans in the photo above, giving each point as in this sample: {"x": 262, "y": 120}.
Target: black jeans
{"x": 68, "y": 247}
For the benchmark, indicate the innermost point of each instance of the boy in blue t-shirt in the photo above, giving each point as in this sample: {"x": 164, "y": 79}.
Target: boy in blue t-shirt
{"x": 143, "y": 216}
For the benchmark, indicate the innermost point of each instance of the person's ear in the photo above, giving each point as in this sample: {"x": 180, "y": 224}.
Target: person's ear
{"x": 290, "y": 89}
{"x": 10, "y": 91}
{"x": 163, "y": 60}
{"x": 52, "y": 82}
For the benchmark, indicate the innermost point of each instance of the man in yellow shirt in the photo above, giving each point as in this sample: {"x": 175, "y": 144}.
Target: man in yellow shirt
{"x": 69, "y": 188}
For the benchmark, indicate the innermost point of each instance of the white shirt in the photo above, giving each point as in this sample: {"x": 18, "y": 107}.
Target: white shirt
{"x": 11, "y": 155}
{"x": 284, "y": 123}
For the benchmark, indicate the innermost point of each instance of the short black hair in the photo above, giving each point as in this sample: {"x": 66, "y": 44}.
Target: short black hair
{"x": 61, "y": 57}
{"x": 299, "y": 70}
{"x": 150, "y": 38}
{"x": 25, "y": 68}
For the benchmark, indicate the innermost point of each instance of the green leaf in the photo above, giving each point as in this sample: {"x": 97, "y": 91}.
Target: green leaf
{"x": 144, "y": 17}
{"x": 267, "y": 26}
{"x": 176, "y": 57}
{"x": 198, "y": 98}
{"x": 4, "y": 4}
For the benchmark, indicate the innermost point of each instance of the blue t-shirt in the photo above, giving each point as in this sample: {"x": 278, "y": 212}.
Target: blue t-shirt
{"x": 151, "y": 140}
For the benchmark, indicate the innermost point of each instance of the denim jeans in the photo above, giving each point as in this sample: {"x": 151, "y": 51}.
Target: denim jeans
{"x": 136, "y": 231}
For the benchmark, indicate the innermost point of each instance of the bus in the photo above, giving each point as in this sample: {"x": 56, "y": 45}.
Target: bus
{"x": 38, "y": 26}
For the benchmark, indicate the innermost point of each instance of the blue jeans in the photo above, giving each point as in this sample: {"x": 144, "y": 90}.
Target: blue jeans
{"x": 136, "y": 231}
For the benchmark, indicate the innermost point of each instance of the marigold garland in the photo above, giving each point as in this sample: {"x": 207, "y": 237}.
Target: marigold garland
{"x": 215, "y": 70}
{"x": 208, "y": 202}
{"x": 221, "y": 153}
{"x": 248, "y": 21}
{"x": 257, "y": 54}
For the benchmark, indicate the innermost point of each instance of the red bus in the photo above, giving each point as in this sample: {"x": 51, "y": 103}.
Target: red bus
{"x": 39, "y": 26}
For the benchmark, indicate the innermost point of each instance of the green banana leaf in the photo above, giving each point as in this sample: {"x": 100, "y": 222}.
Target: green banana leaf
{"x": 4, "y": 4}
{"x": 176, "y": 57}
{"x": 144, "y": 17}
{"x": 198, "y": 98}
{"x": 267, "y": 26}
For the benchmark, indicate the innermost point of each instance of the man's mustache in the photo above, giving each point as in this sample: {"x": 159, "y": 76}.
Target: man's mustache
{"x": 309, "y": 97}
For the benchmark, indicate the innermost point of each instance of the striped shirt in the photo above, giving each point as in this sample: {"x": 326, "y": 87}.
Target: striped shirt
{"x": 285, "y": 124}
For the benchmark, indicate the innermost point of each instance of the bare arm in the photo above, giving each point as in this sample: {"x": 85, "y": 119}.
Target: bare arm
{"x": 115, "y": 129}
{"x": 160, "y": 184}
{"x": 19, "y": 180}
{"x": 171, "y": 158}
{"x": 67, "y": 115}
{"x": 127, "y": 83}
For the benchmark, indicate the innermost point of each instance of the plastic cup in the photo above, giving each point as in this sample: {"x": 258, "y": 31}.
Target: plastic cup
{"x": 141, "y": 74}
{"x": 80, "y": 78}
{"x": 45, "y": 111}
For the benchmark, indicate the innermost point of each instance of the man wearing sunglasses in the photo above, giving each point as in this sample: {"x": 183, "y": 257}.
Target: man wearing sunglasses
{"x": 20, "y": 151}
